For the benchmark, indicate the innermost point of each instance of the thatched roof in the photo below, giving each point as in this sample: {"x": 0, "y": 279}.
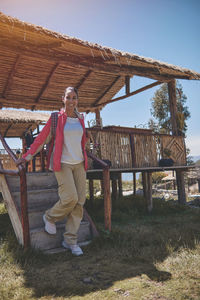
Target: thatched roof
{"x": 36, "y": 65}
{"x": 14, "y": 123}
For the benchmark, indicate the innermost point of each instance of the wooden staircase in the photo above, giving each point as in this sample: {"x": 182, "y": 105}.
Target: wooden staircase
{"x": 41, "y": 194}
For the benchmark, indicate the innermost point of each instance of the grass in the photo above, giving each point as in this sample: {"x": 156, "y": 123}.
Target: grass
{"x": 147, "y": 256}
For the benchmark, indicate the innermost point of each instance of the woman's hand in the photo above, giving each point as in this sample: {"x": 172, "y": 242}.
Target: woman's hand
{"x": 21, "y": 161}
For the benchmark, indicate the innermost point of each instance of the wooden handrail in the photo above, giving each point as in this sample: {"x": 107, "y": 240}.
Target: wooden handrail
{"x": 23, "y": 194}
{"x": 100, "y": 161}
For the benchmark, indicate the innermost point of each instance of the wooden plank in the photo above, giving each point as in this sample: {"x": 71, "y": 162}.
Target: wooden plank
{"x": 11, "y": 208}
{"x": 131, "y": 94}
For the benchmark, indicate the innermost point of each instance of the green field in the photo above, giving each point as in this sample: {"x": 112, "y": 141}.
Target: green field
{"x": 147, "y": 256}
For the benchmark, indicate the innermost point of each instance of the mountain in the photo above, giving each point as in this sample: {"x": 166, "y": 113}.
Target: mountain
{"x": 195, "y": 158}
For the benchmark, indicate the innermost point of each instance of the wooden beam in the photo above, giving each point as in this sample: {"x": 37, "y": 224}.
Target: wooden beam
{"x": 46, "y": 84}
{"x": 10, "y": 77}
{"x": 83, "y": 79}
{"x": 99, "y": 65}
{"x": 132, "y": 93}
{"x": 134, "y": 183}
{"x": 6, "y": 131}
{"x": 127, "y": 84}
{"x": 173, "y": 105}
{"x": 106, "y": 91}
{"x": 98, "y": 117}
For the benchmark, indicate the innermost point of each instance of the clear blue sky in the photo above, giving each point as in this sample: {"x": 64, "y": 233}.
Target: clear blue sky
{"x": 167, "y": 30}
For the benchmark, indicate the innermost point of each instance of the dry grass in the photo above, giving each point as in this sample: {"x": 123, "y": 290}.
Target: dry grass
{"x": 153, "y": 256}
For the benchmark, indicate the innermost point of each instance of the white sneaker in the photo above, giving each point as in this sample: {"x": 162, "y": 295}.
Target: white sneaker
{"x": 49, "y": 227}
{"x": 75, "y": 249}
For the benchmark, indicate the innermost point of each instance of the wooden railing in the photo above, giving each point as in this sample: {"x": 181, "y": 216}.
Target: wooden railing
{"x": 21, "y": 172}
{"x": 134, "y": 149}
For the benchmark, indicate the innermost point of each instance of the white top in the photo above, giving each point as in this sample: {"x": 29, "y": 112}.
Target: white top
{"x": 72, "y": 151}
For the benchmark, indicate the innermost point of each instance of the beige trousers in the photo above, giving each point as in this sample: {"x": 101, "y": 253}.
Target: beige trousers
{"x": 72, "y": 192}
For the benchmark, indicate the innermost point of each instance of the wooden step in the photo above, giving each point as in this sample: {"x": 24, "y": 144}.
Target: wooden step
{"x": 42, "y": 240}
{"x": 37, "y": 180}
{"x": 38, "y": 197}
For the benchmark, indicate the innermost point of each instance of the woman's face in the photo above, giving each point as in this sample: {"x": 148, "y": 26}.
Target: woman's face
{"x": 70, "y": 100}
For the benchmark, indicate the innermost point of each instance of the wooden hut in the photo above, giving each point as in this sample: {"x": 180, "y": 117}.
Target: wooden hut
{"x": 21, "y": 124}
{"x": 36, "y": 65}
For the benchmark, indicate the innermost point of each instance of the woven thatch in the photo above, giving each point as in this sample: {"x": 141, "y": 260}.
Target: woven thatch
{"x": 37, "y": 64}
{"x": 14, "y": 123}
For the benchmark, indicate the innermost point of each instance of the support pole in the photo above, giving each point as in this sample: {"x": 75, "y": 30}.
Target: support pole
{"x": 149, "y": 192}
{"x": 114, "y": 192}
{"x": 134, "y": 183}
{"x": 180, "y": 187}
{"x": 91, "y": 191}
{"x": 173, "y": 111}
{"x": 98, "y": 117}
{"x": 144, "y": 183}
{"x": 120, "y": 185}
{"x": 107, "y": 199}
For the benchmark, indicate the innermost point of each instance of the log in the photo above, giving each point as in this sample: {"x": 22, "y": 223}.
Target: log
{"x": 173, "y": 105}
{"x": 144, "y": 183}
{"x": 120, "y": 185}
{"x": 91, "y": 192}
{"x": 180, "y": 187}
{"x": 114, "y": 192}
{"x": 134, "y": 183}
{"x": 149, "y": 192}
{"x": 107, "y": 199}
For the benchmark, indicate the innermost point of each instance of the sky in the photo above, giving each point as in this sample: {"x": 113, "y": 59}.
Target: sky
{"x": 166, "y": 30}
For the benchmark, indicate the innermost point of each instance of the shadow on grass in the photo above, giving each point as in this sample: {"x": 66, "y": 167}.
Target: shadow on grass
{"x": 137, "y": 242}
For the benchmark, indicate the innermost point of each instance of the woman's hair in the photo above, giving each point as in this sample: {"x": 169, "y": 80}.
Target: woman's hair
{"x": 71, "y": 88}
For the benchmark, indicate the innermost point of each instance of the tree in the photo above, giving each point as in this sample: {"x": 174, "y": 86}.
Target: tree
{"x": 161, "y": 112}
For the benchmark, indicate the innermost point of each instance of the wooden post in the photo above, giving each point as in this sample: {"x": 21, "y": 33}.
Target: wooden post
{"x": 173, "y": 105}
{"x": 180, "y": 186}
{"x": 24, "y": 208}
{"x": 120, "y": 185}
{"x": 144, "y": 183}
{"x": 149, "y": 192}
{"x": 114, "y": 192}
{"x": 98, "y": 117}
{"x": 173, "y": 111}
{"x": 107, "y": 199}
{"x": 134, "y": 183}
{"x": 91, "y": 191}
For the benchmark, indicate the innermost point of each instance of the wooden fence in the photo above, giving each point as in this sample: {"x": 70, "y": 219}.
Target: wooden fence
{"x": 135, "y": 150}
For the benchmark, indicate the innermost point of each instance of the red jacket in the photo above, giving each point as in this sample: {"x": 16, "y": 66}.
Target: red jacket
{"x": 45, "y": 137}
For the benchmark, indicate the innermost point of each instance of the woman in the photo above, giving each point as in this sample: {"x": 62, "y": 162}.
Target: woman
{"x": 67, "y": 158}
